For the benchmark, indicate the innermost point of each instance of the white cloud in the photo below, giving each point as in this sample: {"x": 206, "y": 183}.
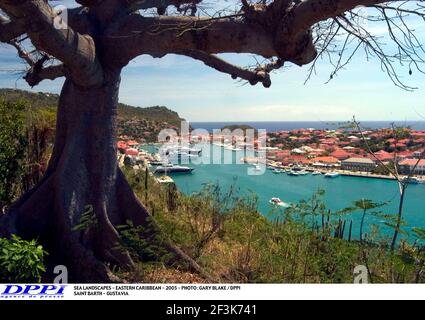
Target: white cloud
{"x": 273, "y": 112}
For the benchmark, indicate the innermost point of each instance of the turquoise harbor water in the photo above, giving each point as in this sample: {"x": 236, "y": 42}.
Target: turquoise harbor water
{"x": 341, "y": 192}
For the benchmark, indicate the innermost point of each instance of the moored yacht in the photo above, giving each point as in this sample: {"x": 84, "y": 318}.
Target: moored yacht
{"x": 332, "y": 175}
{"x": 293, "y": 173}
{"x": 412, "y": 180}
{"x": 173, "y": 169}
{"x": 257, "y": 168}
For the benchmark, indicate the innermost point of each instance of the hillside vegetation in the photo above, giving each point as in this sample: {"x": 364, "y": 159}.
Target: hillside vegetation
{"x": 134, "y": 122}
{"x": 234, "y": 243}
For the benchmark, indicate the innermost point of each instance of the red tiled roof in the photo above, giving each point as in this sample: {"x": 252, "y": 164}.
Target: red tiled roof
{"x": 383, "y": 155}
{"x": 328, "y": 141}
{"x": 296, "y": 157}
{"x": 325, "y": 160}
{"x": 340, "y": 154}
{"x": 132, "y": 152}
{"x": 418, "y": 134}
{"x": 401, "y": 145}
{"x": 122, "y": 145}
{"x": 412, "y": 162}
{"x": 405, "y": 153}
{"x": 282, "y": 154}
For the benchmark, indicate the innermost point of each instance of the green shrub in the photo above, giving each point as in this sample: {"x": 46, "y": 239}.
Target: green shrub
{"x": 21, "y": 261}
{"x": 306, "y": 243}
{"x": 12, "y": 149}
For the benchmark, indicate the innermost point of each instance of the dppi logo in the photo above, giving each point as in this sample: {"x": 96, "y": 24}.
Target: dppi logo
{"x": 33, "y": 291}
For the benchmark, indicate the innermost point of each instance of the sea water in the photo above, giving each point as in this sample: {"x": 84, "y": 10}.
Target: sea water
{"x": 341, "y": 192}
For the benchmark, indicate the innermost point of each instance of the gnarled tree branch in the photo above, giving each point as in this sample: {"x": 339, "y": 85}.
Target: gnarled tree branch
{"x": 22, "y": 53}
{"x": 259, "y": 74}
{"x": 47, "y": 34}
{"x": 37, "y": 71}
{"x": 36, "y": 75}
{"x": 10, "y": 30}
{"x": 136, "y": 35}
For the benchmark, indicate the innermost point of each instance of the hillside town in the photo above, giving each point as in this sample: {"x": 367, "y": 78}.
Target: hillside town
{"x": 364, "y": 153}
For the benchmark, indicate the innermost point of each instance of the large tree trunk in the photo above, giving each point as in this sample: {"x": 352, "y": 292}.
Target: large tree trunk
{"x": 82, "y": 172}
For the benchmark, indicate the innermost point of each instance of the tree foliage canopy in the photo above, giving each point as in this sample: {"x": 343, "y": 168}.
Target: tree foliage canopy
{"x": 279, "y": 31}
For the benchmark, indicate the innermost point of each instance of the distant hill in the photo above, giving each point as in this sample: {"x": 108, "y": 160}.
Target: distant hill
{"x": 134, "y": 122}
{"x": 242, "y": 127}
{"x": 161, "y": 114}
{"x": 38, "y": 100}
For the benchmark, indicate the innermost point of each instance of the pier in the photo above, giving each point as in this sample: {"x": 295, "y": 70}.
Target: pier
{"x": 346, "y": 173}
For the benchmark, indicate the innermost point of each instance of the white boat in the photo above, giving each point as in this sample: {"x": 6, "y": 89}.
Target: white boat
{"x": 257, "y": 168}
{"x": 279, "y": 203}
{"x": 412, "y": 180}
{"x": 167, "y": 164}
{"x": 316, "y": 173}
{"x": 219, "y": 144}
{"x": 175, "y": 157}
{"x": 188, "y": 150}
{"x": 303, "y": 173}
{"x": 293, "y": 173}
{"x": 173, "y": 169}
{"x": 278, "y": 171}
{"x": 332, "y": 175}
{"x": 178, "y": 153}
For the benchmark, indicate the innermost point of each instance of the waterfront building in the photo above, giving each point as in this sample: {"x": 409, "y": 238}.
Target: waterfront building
{"x": 419, "y": 154}
{"x": 409, "y": 165}
{"x": 358, "y": 164}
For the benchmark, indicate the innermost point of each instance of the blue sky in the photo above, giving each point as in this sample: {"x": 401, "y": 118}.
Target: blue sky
{"x": 198, "y": 93}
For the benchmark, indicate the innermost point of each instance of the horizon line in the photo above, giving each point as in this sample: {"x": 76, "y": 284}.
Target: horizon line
{"x": 319, "y": 121}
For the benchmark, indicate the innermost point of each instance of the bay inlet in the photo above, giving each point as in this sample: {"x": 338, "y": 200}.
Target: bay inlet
{"x": 340, "y": 192}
